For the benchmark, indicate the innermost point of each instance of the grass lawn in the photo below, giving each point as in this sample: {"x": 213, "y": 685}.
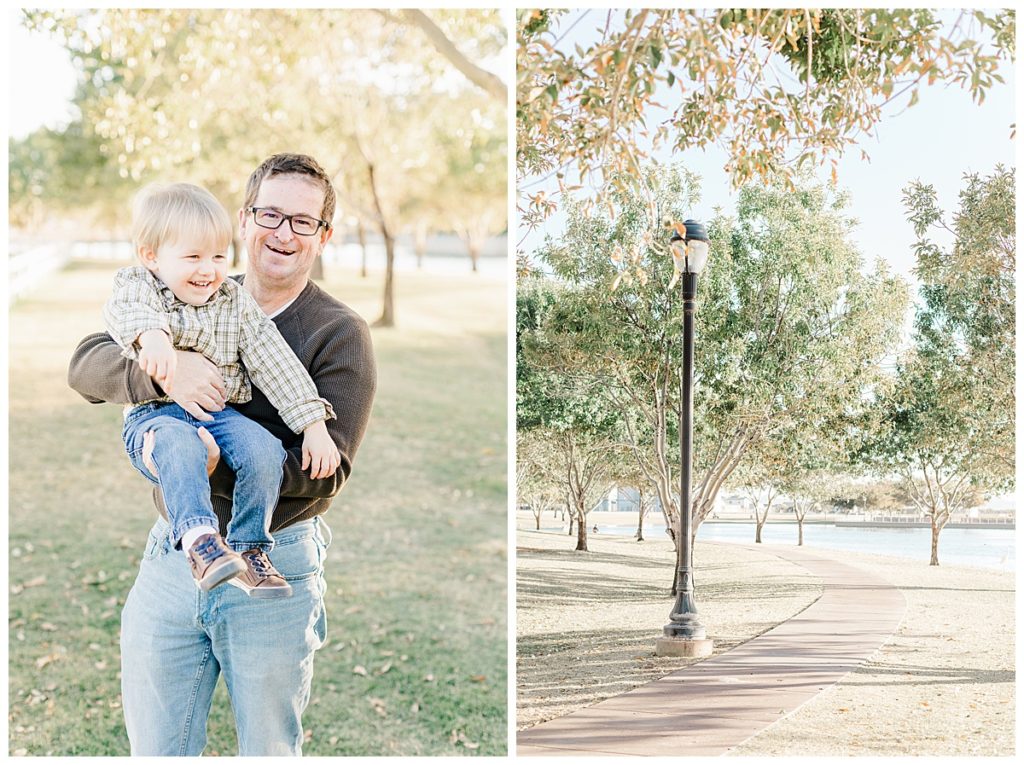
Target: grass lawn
{"x": 416, "y": 658}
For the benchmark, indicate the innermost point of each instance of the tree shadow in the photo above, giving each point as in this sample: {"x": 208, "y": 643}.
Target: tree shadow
{"x": 922, "y": 675}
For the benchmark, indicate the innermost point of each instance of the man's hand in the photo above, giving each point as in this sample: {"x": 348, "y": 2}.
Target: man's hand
{"x": 212, "y": 451}
{"x": 197, "y": 386}
{"x": 157, "y": 356}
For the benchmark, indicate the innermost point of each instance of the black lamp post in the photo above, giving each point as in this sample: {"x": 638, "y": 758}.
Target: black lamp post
{"x": 685, "y": 635}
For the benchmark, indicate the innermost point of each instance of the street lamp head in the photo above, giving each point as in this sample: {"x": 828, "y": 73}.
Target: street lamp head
{"x": 691, "y": 252}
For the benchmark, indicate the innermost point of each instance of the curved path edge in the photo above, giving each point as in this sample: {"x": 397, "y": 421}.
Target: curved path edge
{"x": 712, "y": 706}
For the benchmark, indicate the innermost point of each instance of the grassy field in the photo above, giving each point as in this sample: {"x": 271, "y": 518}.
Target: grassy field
{"x": 416, "y": 574}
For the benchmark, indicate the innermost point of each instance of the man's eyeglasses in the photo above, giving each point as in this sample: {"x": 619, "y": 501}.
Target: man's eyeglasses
{"x": 303, "y": 225}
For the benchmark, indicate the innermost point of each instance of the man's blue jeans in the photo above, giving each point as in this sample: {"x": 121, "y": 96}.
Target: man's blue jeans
{"x": 176, "y": 640}
{"x": 255, "y": 455}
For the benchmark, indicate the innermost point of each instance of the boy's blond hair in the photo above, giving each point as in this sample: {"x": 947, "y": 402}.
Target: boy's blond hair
{"x": 164, "y": 212}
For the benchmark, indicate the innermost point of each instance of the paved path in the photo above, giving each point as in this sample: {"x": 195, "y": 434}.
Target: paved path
{"x": 716, "y": 704}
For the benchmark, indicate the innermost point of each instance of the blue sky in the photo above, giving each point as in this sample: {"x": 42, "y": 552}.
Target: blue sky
{"x": 938, "y": 140}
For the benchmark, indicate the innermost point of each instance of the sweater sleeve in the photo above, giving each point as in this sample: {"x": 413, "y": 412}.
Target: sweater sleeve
{"x": 345, "y": 373}
{"x": 133, "y": 308}
{"x": 100, "y": 373}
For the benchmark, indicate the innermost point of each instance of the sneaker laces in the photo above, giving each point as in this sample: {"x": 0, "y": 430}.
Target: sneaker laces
{"x": 260, "y": 562}
{"x": 209, "y": 550}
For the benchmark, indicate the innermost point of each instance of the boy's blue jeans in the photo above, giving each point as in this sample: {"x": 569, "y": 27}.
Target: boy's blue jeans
{"x": 250, "y": 450}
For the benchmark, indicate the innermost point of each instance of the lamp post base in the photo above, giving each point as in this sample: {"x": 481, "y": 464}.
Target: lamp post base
{"x": 695, "y": 649}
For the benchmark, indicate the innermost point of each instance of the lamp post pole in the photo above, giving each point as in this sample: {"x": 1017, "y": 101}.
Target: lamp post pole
{"x": 684, "y": 634}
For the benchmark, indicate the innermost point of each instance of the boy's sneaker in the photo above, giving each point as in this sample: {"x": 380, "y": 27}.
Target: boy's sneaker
{"x": 260, "y": 579}
{"x": 213, "y": 562}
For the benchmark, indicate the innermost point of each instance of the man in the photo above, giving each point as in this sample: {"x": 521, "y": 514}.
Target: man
{"x": 175, "y": 639}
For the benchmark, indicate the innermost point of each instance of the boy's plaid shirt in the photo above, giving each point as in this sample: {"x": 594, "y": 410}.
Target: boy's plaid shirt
{"x": 230, "y": 330}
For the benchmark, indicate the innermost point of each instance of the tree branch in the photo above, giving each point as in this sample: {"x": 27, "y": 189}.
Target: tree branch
{"x": 483, "y": 79}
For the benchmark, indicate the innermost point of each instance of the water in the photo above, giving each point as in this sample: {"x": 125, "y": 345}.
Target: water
{"x": 981, "y": 548}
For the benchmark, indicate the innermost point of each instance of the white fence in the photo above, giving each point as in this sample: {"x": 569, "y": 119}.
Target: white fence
{"x": 445, "y": 254}
{"x": 30, "y": 267}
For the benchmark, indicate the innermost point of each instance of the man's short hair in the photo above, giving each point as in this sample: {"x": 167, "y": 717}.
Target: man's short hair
{"x": 292, "y": 164}
{"x": 163, "y": 212}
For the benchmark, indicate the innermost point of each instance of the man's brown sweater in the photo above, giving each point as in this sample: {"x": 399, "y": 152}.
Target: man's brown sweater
{"x": 331, "y": 340}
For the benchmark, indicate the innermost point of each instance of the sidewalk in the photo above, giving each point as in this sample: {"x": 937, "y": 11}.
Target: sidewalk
{"x": 715, "y": 705}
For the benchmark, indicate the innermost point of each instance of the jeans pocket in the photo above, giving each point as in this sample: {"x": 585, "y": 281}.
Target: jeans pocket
{"x": 299, "y": 559}
{"x": 156, "y": 544}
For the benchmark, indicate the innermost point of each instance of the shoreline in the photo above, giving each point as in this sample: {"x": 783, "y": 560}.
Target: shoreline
{"x": 655, "y": 524}
{"x": 991, "y": 549}
{"x": 938, "y": 686}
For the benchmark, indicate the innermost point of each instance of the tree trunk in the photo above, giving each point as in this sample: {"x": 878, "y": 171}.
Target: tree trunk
{"x": 760, "y": 525}
{"x": 800, "y": 532}
{"x": 640, "y": 528}
{"x": 420, "y": 245}
{"x": 236, "y": 252}
{"x": 935, "y": 543}
{"x": 581, "y": 531}
{"x": 572, "y": 521}
{"x": 317, "y": 271}
{"x": 361, "y": 233}
{"x": 474, "y": 253}
{"x": 387, "y": 316}
{"x": 537, "y": 517}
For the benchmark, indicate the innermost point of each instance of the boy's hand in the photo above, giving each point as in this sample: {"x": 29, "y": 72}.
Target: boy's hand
{"x": 319, "y": 453}
{"x": 157, "y": 357}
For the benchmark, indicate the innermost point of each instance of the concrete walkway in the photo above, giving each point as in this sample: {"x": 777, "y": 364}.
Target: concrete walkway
{"x": 714, "y": 705}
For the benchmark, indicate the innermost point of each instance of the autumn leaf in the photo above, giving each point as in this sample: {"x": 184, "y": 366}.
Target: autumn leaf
{"x": 359, "y": 669}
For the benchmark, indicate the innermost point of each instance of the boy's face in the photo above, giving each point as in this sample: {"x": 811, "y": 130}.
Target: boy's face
{"x": 194, "y": 270}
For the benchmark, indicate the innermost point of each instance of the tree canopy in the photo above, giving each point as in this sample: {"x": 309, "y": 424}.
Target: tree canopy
{"x": 946, "y": 423}
{"x": 205, "y": 95}
{"x": 787, "y": 326}
{"x": 776, "y": 89}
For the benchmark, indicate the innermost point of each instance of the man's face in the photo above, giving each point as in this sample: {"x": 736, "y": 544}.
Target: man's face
{"x": 280, "y": 257}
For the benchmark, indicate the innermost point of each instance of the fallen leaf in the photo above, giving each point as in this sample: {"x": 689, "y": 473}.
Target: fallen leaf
{"x": 458, "y": 737}
{"x": 384, "y": 669}
{"x": 415, "y": 708}
{"x": 47, "y": 627}
{"x": 429, "y": 678}
{"x": 359, "y": 669}
{"x": 478, "y": 678}
{"x": 36, "y": 582}
{"x": 378, "y": 706}
{"x": 42, "y": 661}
